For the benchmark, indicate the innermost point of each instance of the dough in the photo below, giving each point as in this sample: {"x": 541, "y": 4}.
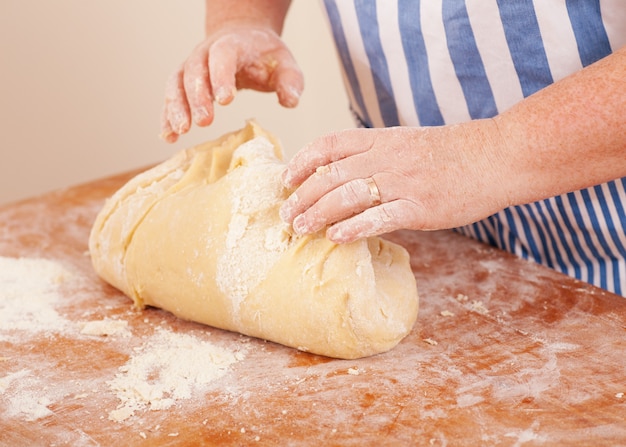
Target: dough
{"x": 199, "y": 235}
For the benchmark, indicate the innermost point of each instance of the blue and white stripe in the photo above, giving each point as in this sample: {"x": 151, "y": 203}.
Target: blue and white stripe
{"x": 469, "y": 59}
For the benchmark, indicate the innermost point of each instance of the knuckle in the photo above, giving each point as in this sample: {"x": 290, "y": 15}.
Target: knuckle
{"x": 188, "y": 82}
{"x": 172, "y": 86}
{"x": 331, "y": 141}
{"x": 387, "y": 213}
{"x": 335, "y": 172}
{"x": 351, "y": 193}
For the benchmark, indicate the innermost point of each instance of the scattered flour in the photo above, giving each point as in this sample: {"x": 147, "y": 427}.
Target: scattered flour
{"x": 169, "y": 367}
{"x": 22, "y": 396}
{"x": 106, "y": 327}
{"x": 29, "y": 289}
{"x": 478, "y": 306}
{"x": 29, "y": 292}
{"x": 528, "y": 435}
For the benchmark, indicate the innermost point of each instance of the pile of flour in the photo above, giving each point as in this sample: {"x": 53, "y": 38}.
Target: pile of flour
{"x": 21, "y": 391}
{"x": 29, "y": 290}
{"x": 169, "y": 367}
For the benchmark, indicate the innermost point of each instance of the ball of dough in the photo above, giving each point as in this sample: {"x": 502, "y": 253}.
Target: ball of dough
{"x": 200, "y": 236}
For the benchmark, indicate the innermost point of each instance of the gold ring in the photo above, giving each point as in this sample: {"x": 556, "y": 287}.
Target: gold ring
{"x": 374, "y": 191}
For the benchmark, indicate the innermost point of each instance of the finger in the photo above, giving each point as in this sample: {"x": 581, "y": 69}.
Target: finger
{"x": 167, "y": 133}
{"x": 223, "y": 68}
{"x": 324, "y": 180}
{"x": 288, "y": 82}
{"x": 325, "y": 150}
{"x": 176, "y": 106}
{"x": 374, "y": 221}
{"x": 343, "y": 202}
{"x": 197, "y": 88}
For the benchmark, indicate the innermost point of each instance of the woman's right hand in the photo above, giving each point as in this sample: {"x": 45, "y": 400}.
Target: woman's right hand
{"x": 233, "y": 58}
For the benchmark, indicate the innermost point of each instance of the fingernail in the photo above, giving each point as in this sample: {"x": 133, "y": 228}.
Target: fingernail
{"x": 168, "y": 136}
{"x": 200, "y": 114}
{"x": 294, "y": 91}
{"x": 299, "y": 225}
{"x": 179, "y": 123}
{"x": 336, "y": 235}
{"x": 294, "y": 96}
{"x": 285, "y": 212}
{"x": 224, "y": 95}
{"x": 332, "y": 234}
{"x": 286, "y": 178}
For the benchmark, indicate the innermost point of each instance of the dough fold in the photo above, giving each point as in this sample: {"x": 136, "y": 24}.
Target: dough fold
{"x": 200, "y": 236}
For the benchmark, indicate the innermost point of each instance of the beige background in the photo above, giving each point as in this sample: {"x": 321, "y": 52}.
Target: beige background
{"x": 82, "y": 83}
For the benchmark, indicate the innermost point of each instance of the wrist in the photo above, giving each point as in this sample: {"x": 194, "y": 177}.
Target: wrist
{"x": 488, "y": 154}
{"x": 260, "y": 14}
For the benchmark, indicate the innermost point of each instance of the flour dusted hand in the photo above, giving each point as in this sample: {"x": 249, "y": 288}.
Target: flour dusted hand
{"x": 200, "y": 236}
{"x": 234, "y": 58}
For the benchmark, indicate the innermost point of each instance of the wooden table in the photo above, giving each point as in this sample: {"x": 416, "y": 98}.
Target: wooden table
{"x": 504, "y": 352}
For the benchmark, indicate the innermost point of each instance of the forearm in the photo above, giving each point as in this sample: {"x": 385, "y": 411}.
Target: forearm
{"x": 568, "y": 136}
{"x": 269, "y": 13}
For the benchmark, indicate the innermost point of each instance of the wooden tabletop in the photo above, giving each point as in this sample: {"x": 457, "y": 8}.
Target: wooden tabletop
{"x": 504, "y": 352}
